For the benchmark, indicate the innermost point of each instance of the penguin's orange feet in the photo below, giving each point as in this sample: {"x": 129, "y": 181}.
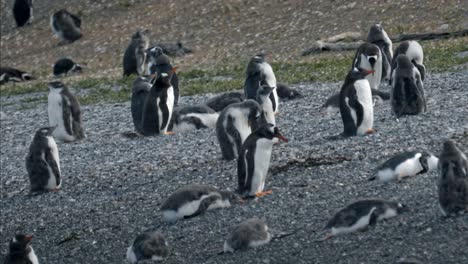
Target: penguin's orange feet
{"x": 370, "y": 131}
{"x": 327, "y": 236}
{"x": 169, "y": 133}
{"x": 55, "y": 190}
{"x": 277, "y": 113}
{"x": 261, "y": 194}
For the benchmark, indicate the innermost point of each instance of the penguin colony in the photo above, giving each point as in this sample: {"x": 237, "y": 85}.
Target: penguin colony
{"x": 246, "y": 129}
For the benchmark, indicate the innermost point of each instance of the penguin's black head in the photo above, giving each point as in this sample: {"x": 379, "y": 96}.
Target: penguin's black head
{"x": 46, "y": 131}
{"x": 255, "y": 117}
{"x": 140, "y": 34}
{"x": 403, "y": 62}
{"x": 163, "y": 80}
{"x": 232, "y": 197}
{"x": 20, "y": 244}
{"x": 401, "y": 208}
{"x": 154, "y": 52}
{"x": 358, "y": 73}
{"x": 56, "y": 85}
{"x": 450, "y": 148}
{"x": 261, "y": 57}
{"x": 375, "y": 33}
{"x": 269, "y": 131}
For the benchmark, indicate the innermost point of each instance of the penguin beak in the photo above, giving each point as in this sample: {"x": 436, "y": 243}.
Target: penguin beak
{"x": 280, "y": 137}
{"x": 28, "y": 238}
{"x": 370, "y": 72}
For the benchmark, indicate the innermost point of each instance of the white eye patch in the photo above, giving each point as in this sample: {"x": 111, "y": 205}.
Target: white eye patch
{"x": 164, "y": 74}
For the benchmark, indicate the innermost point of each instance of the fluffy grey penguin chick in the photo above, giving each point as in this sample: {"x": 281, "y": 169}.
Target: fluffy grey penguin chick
{"x": 149, "y": 245}
{"x": 250, "y": 233}
{"x": 140, "y": 89}
{"x": 413, "y": 50}
{"x": 66, "y": 26}
{"x": 221, "y": 101}
{"x": 20, "y": 251}
{"x": 135, "y": 55}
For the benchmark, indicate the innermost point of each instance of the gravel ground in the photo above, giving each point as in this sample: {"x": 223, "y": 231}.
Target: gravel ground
{"x": 113, "y": 186}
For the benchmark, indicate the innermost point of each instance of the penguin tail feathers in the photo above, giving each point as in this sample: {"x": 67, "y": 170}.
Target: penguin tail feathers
{"x": 130, "y": 134}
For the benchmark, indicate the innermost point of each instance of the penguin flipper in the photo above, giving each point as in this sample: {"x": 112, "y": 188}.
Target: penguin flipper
{"x": 204, "y": 204}
{"x": 140, "y": 61}
{"x": 350, "y": 127}
{"x": 241, "y": 172}
{"x": 53, "y": 166}
{"x": 76, "y": 20}
{"x": 232, "y": 130}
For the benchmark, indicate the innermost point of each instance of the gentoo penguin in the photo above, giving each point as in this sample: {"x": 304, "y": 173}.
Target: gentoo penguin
{"x": 64, "y": 112}
{"x": 453, "y": 180}
{"x": 66, "y": 26}
{"x": 64, "y": 66}
{"x": 250, "y": 233}
{"x": 23, "y": 12}
{"x": 43, "y": 163}
{"x": 158, "y": 62}
{"x": 140, "y": 90}
{"x": 8, "y": 74}
{"x": 356, "y": 107}
{"x": 20, "y": 251}
{"x": 189, "y": 118}
{"x": 264, "y": 100}
{"x": 332, "y": 104}
{"x": 406, "y": 164}
{"x": 193, "y": 200}
{"x": 379, "y": 37}
{"x": 135, "y": 55}
{"x": 369, "y": 57}
{"x": 408, "y": 92}
{"x": 219, "y": 102}
{"x": 158, "y": 106}
{"x": 174, "y": 50}
{"x": 413, "y": 50}
{"x": 361, "y": 214}
{"x": 259, "y": 70}
{"x": 285, "y": 92}
{"x": 234, "y": 125}
{"x": 254, "y": 160}
{"x": 149, "y": 245}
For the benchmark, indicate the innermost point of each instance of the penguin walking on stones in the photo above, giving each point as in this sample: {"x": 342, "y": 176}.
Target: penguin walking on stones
{"x": 8, "y": 74}
{"x": 43, "y": 163}
{"x": 23, "y": 12}
{"x": 66, "y": 26}
{"x": 413, "y": 50}
{"x": 157, "y": 110}
{"x": 332, "y": 104}
{"x": 20, "y": 251}
{"x": 254, "y": 160}
{"x": 408, "y": 92}
{"x": 369, "y": 57}
{"x": 219, "y": 102}
{"x": 379, "y": 37}
{"x": 234, "y": 125}
{"x": 193, "y": 200}
{"x": 248, "y": 234}
{"x": 65, "y": 66}
{"x": 453, "y": 180}
{"x": 140, "y": 89}
{"x": 189, "y": 118}
{"x": 406, "y": 164}
{"x": 158, "y": 62}
{"x": 64, "y": 112}
{"x": 265, "y": 102}
{"x": 361, "y": 214}
{"x": 149, "y": 245}
{"x": 356, "y": 105}
{"x": 135, "y": 55}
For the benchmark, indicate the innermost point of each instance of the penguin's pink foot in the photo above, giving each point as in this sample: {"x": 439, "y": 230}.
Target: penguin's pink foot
{"x": 169, "y": 133}
{"x": 261, "y": 194}
{"x": 277, "y": 113}
{"x": 327, "y": 236}
{"x": 370, "y": 131}
{"x": 55, "y": 190}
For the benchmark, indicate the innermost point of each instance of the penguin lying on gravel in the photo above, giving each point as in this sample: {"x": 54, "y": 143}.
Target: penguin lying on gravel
{"x": 8, "y": 74}
{"x": 23, "y": 12}
{"x": 64, "y": 66}
{"x": 66, "y": 26}
{"x": 332, "y": 105}
{"x": 193, "y": 200}
{"x": 413, "y": 50}
{"x": 189, "y": 118}
{"x": 361, "y": 214}
{"x": 250, "y": 233}
{"x": 453, "y": 180}
{"x": 20, "y": 251}
{"x": 150, "y": 245}
{"x": 174, "y": 50}
{"x": 219, "y": 102}
{"x": 285, "y": 92}
{"x": 406, "y": 164}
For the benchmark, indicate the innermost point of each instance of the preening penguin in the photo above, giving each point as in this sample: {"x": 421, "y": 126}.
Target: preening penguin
{"x": 135, "y": 55}
{"x": 369, "y": 57}
{"x": 189, "y": 118}
{"x": 219, "y": 102}
{"x": 23, "y": 12}
{"x": 20, "y": 251}
{"x": 149, "y": 245}
{"x": 250, "y": 233}
{"x": 64, "y": 112}
{"x": 406, "y": 164}
{"x": 193, "y": 200}
{"x": 379, "y": 37}
{"x": 158, "y": 62}
{"x": 66, "y": 26}
{"x": 140, "y": 90}
{"x": 234, "y": 125}
{"x": 64, "y": 66}
{"x": 43, "y": 163}
{"x": 453, "y": 180}
{"x": 254, "y": 160}
{"x": 413, "y": 50}
{"x": 8, "y": 74}
{"x": 264, "y": 100}
{"x": 408, "y": 92}
{"x": 356, "y": 105}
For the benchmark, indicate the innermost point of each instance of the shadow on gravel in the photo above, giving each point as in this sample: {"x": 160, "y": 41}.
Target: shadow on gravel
{"x": 309, "y": 162}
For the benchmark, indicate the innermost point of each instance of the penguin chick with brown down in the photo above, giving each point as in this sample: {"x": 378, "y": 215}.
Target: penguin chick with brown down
{"x": 453, "y": 180}
{"x": 148, "y": 245}
{"x": 248, "y": 234}
{"x": 135, "y": 55}
{"x": 66, "y": 26}
{"x": 140, "y": 89}
{"x": 20, "y": 251}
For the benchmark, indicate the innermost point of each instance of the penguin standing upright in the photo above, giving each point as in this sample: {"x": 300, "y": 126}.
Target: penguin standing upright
{"x": 408, "y": 92}
{"x": 140, "y": 90}
{"x": 20, "y": 251}
{"x": 250, "y": 233}
{"x": 219, "y": 102}
{"x": 193, "y": 117}
{"x": 157, "y": 110}
{"x": 43, "y": 163}
{"x": 356, "y": 106}
{"x": 66, "y": 26}
{"x": 149, "y": 245}
{"x": 135, "y": 55}
{"x": 8, "y": 74}
{"x": 254, "y": 160}
{"x": 413, "y": 50}
{"x": 64, "y": 112}
{"x": 234, "y": 125}
{"x": 64, "y": 66}
{"x": 158, "y": 62}
{"x": 23, "y": 12}
{"x": 453, "y": 180}
{"x": 332, "y": 104}
{"x": 369, "y": 57}
{"x": 379, "y": 37}
{"x": 264, "y": 100}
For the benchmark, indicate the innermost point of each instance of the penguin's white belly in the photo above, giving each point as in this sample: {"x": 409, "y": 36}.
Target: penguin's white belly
{"x": 209, "y": 120}
{"x": 220, "y": 203}
{"x": 364, "y": 96}
{"x": 131, "y": 257}
{"x": 361, "y": 223}
{"x": 410, "y": 167}
{"x": 374, "y": 78}
{"x": 389, "y": 213}
{"x": 56, "y": 118}
{"x": 276, "y": 98}
{"x": 261, "y": 165}
{"x": 267, "y": 107}
{"x": 170, "y": 107}
{"x": 258, "y": 243}
{"x": 185, "y": 210}
{"x": 270, "y": 77}
{"x": 415, "y": 52}
{"x": 241, "y": 123}
{"x": 32, "y": 257}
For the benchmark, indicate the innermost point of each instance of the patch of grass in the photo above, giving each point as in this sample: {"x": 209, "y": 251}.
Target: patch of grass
{"x": 441, "y": 55}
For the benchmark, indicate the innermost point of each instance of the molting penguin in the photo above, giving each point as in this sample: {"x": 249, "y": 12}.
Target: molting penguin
{"x": 149, "y": 245}
{"x": 189, "y": 118}
{"x": 408, "y": 92}
{"x": 64, "y": 112}
{"x": 356, "y": 105}
{"x": 66, "y": 26}
{"x": 286, "y": 92}
{"x": 332, "y": 104}
{"x": 64, "y": 66}
{"x": 43, "y": 163}
{"x": 234, "y": 125}
{"x": 174, "y": 50}
{"x": 264, "y": 100}
{"x": 254, "y": 160}
{"x": 361, "y": 214}
{"x": 379, "y": 37}
{"x": 369, "y": 57}
{"x": 219, "y": 102}
{"x": 20, "y": 251}
{"x": 193, "y": 200}
{"x": 406, "y": 164}
{"x": 135, "y": 55}
{"x": 453, "y": 180}
{"x": 157, "y": 110}
{"x": 8, "y": 74}
{"x": 23, "y": 12}
{"x": 140, "y": 90}
{"x": 158, "y": 62}
{"x": 413, "y": 50}
{"x": 250, "y": 233}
